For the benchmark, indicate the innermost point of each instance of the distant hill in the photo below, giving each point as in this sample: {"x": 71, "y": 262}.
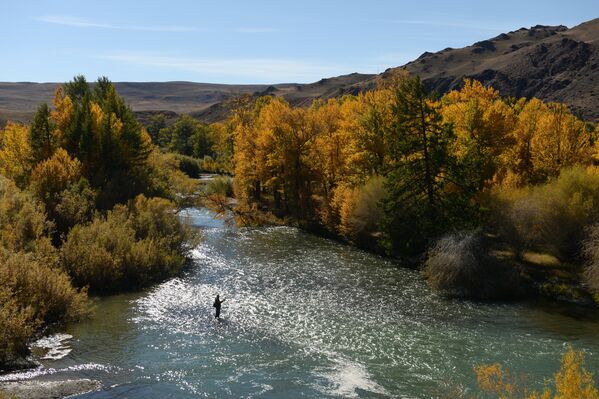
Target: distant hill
{"x": 553, "y": 63}
{"x": 18, "y": 101}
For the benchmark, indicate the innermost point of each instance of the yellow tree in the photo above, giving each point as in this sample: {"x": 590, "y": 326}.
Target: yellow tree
{"x": 16, "y": 156}
{"x": 560, "y": 140}
{"x": 58, "y": 182}
{"x": 63, "y": 114}
{"x": 482, "y": 123}
{"x": 242, "y": 124}
{"x": 520, "y": 157}
{"x": 372, "y": 120}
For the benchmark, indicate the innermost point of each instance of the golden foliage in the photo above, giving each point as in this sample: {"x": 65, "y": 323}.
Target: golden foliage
{"x": 134, "y": 245}
{"x": 22, "y": 219}
{"x": 310, "y": 164}
{"x": 15, "y": 152}
{"x": 358, "y": 208}
{"x": 63, "y": 115}
{"x": 55, "y": 174}
{"x": 571, "y": 381}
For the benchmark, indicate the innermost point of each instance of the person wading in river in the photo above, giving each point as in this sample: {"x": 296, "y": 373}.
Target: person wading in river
{"x": 217, "y": 303}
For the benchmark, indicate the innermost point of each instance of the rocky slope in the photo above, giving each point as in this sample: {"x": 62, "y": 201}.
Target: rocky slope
{"x": 553, "y": 63}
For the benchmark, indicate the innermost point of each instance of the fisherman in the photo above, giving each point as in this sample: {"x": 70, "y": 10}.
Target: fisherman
{"x": 217, "y": 303}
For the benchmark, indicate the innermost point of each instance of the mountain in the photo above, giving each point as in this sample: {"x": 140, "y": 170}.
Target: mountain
{"x": 18, "y": 101}
{"x": 553, "y": 63}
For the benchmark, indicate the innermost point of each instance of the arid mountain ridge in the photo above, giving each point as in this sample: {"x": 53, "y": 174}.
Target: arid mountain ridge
{"x": 553, "y": 63}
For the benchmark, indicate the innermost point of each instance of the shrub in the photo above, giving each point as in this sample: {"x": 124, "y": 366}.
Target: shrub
{"x": 189, "y": 165}
{"x": 590, "y": 248}
{"x": 131, "y": 247}
{"x": 16, "y": 329}
{"x": 571, "y": 381}
{"x": 459, "y": 265}
{"x": 551, "y": 217}
{"x": 67, "y": 197}
{"x": 222, "y": 185}
{"x": 163, "y": 178}
{"x": 22, "y": 219}
{"x": 33, "y": 295}
{"x": 358, "y": 208}
{"x": 43, "y": 289}
{"x": 216, "y": 193}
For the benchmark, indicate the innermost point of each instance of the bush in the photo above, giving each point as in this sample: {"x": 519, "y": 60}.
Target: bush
{"x": 571, "y": 381}
{"x": 131, "y": 247}
{"x": 163, "y": 178}
{"x": 459, "y": 265}
{"x": 33, "y": 295}
{"x": 216, "y": 194}
{"x": 16, "y": 330}
{"x": 551, "y": 217}
{"x": 222, "y": 185}
{"x": 22, "y": 219}
{"x": 43, "y": 289}
{"x": 590, "y": 248}
{"x": 189, "y": 165}
{"x": 359, "y": 210}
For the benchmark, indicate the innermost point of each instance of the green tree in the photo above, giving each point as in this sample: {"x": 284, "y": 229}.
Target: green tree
{"x": 202, "y": 141}
{"x": 157, "y": 123}
{"x": 182, "y": 133}
{"x": 425, "y": 193}
{"x": 100, "y": 130}
{"x": 41, "y": 134}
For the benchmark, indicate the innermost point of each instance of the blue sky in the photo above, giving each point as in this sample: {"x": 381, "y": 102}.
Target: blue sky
{"x": 249, "y": 41}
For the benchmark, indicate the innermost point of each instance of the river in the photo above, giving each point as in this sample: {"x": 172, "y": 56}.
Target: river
{"x": 303, "y": 317}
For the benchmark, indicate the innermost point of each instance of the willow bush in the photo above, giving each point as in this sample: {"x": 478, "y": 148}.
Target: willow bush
{"x": 551, "y": 217}
{"x": 132, "y": 246}
{"x": 459, "y": 264}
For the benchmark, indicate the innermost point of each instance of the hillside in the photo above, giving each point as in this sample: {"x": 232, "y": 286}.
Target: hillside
{"x": 553, "y": 63}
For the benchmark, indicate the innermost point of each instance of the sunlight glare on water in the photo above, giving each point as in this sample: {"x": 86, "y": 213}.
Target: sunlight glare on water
{"x": 305, "y": 317}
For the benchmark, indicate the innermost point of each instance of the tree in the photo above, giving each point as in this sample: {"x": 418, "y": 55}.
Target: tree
{"x": 181, "y": 135}
{"x": 242, "y": 124}
{"x": 16, "y": 157}
{"x": 157, "y": 123}
{"x": 41, "y": 134}
{"x": 59, "y": 184}
{"x": 562, "y": 140}
{"x": 425, "y": 188}
{"x": 482, "y": 123}
{"x": 101, "y": 131}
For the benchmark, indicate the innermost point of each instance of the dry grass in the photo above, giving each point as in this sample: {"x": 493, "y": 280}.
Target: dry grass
{"x": 459, "y": 264}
